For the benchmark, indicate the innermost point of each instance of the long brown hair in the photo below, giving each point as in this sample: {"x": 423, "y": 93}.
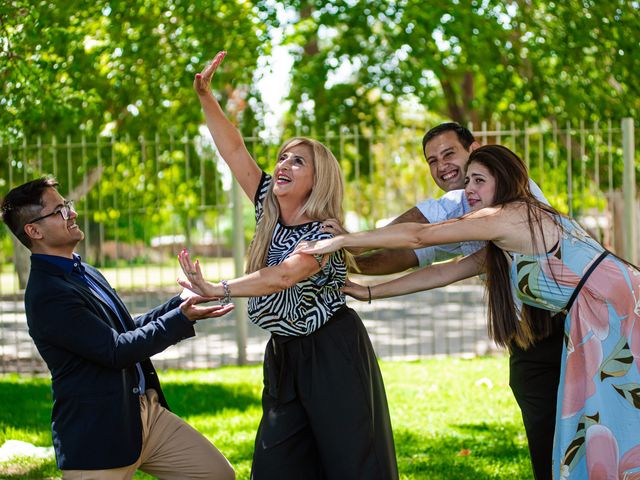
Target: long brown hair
{"x": 512, "y": 185}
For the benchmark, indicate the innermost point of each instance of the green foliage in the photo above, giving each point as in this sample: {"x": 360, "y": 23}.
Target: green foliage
{"x": 6, "y": 246}
{"x": 103, "y": 90}
{"x": 88, "y": 87}
{"x": 123, "y": 66}
{"x": 452, "y": 418}
{"x": 467, "y": 61}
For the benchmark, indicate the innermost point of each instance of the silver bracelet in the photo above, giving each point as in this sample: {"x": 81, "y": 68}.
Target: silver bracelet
{"x": 227, "y": 293}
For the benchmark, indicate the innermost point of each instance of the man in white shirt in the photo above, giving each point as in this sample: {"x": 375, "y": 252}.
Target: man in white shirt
{"x": 534, "y": 373}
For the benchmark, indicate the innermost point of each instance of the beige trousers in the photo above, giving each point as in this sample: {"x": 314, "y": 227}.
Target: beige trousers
{"x": 171, "y": 449}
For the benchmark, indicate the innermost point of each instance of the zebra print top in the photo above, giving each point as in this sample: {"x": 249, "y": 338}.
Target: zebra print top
{"x": 305, "y": 307}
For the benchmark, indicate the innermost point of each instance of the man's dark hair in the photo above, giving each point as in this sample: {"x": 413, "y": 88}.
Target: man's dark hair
{"x": 24, "y": 203}
{"x": 464, "y": 134}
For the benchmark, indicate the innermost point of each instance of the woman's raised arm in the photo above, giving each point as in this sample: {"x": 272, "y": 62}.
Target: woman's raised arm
{"x": 225, "y": 135}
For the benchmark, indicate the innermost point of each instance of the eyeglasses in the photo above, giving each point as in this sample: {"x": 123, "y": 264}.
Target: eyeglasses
{"x": 64, "y": 211}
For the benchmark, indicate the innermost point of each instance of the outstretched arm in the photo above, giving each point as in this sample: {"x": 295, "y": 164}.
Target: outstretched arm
{"x": 486, "y": 224}
{"x": 383, "y": 261}
{"x": 225, "y": 135}
{"x": 265, "y": 281}
{"x": 433, "y": 276}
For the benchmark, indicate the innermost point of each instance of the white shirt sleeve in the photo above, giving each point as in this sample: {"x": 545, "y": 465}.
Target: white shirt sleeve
{"x": 451, "y": 205}
{"x": 535, "y": 190}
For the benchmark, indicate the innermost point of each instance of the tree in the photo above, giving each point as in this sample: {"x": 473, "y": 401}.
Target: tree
{"x": 114, "y": 80}
{"x": 468, "y": 61}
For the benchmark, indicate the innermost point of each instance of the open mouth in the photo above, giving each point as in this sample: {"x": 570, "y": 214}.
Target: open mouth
{"x": 449, "y": 175}
{"x": 282, "y": 179}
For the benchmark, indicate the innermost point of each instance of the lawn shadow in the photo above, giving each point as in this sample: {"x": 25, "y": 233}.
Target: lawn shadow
{"x": 209, "y": 398}
{"x": 27, "y": 406}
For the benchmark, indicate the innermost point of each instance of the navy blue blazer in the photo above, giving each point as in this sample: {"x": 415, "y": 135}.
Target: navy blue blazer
{"x": 95, "y": 420}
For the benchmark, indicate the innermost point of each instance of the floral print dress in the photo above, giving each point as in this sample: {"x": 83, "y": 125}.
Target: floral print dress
{"x": 598, "y": 412}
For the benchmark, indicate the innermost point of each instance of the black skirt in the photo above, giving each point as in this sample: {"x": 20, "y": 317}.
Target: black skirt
{"x": 325, "y": 413}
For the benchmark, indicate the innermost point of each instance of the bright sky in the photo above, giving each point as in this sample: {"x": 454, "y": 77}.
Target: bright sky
{"x": 274, "y": 86}
{"x": 274, "y": 71}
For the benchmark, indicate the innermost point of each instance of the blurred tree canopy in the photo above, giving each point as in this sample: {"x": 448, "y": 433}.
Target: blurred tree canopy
{"x": 127, "y": 67}
{"x": 123, "y": 66}
{"x": 470, "y": 61}
{"x": 118, "y": 75}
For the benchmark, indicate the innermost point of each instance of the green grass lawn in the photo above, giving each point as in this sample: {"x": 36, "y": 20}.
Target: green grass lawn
{"x": 452, "y": 418}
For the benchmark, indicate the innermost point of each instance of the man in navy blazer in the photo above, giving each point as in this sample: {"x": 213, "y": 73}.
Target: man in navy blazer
{"x": 109, "y": 415}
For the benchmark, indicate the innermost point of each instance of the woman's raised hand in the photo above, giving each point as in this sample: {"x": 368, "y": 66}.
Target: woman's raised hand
{"x": 202, "y": 81}
{"x": 193, "y": 272}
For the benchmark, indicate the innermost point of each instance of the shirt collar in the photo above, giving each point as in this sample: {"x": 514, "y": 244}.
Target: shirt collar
{"x": 465, "y": 203}
{"x": 67, "y": 265}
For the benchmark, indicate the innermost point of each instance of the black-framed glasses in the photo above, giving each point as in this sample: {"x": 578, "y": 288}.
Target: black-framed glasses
{"x": 64, "y": 211}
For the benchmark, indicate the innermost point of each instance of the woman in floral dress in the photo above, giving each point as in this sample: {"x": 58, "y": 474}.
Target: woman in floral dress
{"x": 555, "y": 267}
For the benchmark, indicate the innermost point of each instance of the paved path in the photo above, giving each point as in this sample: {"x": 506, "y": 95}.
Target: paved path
{"x": 447, "y": 321}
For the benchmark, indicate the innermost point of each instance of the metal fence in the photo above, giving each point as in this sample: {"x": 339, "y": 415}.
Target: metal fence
{"x": 140, "y": 200}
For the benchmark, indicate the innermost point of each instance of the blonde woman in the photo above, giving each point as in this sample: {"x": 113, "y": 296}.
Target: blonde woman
{"x": 325, "y": 413}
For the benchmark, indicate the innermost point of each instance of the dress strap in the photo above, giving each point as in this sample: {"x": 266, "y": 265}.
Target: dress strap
{"x": 584, "y": 278}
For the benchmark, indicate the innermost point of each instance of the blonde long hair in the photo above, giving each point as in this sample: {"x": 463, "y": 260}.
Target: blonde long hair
{"x": 325, "y": 200}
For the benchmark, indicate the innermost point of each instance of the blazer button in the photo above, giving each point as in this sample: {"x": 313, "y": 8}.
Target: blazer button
{"x": 136, "y": 390}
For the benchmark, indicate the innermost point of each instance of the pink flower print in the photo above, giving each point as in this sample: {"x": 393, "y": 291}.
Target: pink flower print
{"x": 589, "y": 314}
{"x": 582, "y": 365}
{"x": 602, "y": 453}
{"x": 611, "y": 284}
{"x": 630, "y": 461}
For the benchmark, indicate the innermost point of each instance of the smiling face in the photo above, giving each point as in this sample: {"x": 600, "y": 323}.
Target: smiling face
{"x": 54, "y": 235}
{"x": 480, "y": 187}
{"x": 294, "y": 174}
{"x": 447, "y": 159}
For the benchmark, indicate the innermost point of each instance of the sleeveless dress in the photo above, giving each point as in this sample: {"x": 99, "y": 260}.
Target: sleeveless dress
{"x": 598, "y": 411}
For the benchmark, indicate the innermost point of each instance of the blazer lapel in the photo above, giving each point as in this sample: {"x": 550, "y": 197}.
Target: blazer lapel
{"x": 84, "y": 291}
{"x": 108, "y": 290}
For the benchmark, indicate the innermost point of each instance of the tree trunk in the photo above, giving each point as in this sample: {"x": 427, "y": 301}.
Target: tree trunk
{"x": 468, "y": 92}
{"x": 456, "y": 111}
{"x": 21, "y": 256}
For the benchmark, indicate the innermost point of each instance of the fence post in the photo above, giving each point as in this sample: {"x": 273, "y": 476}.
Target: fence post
{"x": 629, "y": 191}
{"x": 569, "y": 169}
{"x": 238, "y": 262}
